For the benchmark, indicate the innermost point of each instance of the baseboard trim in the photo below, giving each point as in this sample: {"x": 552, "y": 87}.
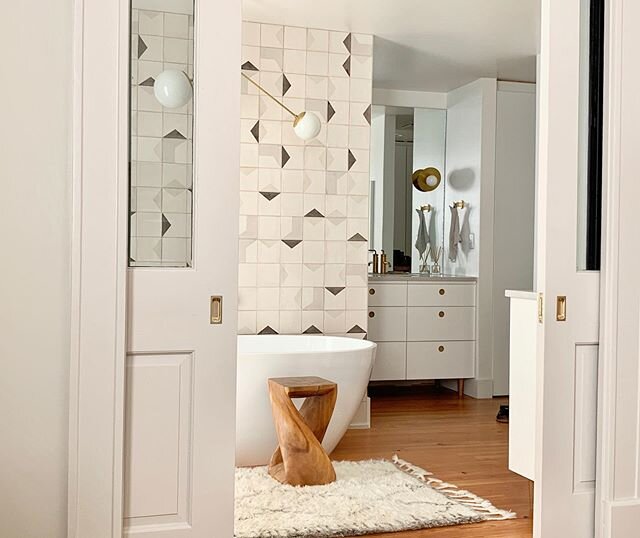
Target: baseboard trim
{"x": 481, "y": 389}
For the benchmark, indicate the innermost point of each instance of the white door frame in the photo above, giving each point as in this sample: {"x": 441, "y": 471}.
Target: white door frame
{"x": 99, "y": 267}
{"x": 618, "y": 472}
{"x": 99, "y": 270}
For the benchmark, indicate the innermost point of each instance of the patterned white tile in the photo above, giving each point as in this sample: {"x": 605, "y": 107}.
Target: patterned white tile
{"x": 291, "y": 275}
{"x": 292, "y": 180}
{"x": 247, "y": 298}
{"x": 247, "y": 274}
{"x": 360, "y": 90}
{"x": 269, "y": 207}
{"x": 295, "y": 38}
{"x": 317, "y": 40}
{"x": 269, "y": 251}
{"x": 269, "y": 227}
{"x": 176, "y": 50}
{"x": 338, "y": 89}
{"x": 336, "y": 206}
{"x": 312, "y": 298}
{"x": 174, "y": 249}
{"x": 248, "y": 179}
{"x": 335, "y": 274}
{"x": 361, "y": 67}
{"x": 313, "y": 275}
{"x": 250, "y": 107}
{"x": 316, "y": 87}
{"x": 337, "y": 42}
{"x": 248, "y": 250}
{"x": 313, "y": 251}
{"x": 334, "y": 321}
{"x": 334, "y": 302}
{"x": 295, "y": 61}
{"x": 268, "y": 275}
{"x": 247, "y": 322}
{"x": 290, "y": 321}
{"x": 362, "y": 44}
{"x": 271, "y": 59}
{"x": 359, "y": 137}
{"x": 290, "y": 204}
{"x": 336, "y": 65}
{"x": 251, "y": 33}
{"x": 337, "y": 136}
{"x": 313, "y": 229}
{"x": 271, "y": 35}
{"x": 267, "y": 298}
{"x": 248, "y": 203}
{"x": 291, "y": 299}
{"x": 150, "y": 22}
{"x": 268, "y": 318}
{"x": 336, "y": 229}
{"x": 317, "y": 63}
{"x": 313, "y": 318}
{"x": 336, "y": 251}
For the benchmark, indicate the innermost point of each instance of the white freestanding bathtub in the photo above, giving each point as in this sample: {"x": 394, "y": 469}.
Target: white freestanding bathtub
{"x": 346, "y": 361}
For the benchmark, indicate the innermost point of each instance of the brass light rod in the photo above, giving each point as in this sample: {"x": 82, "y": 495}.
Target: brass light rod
{"x": 272, "y": 97}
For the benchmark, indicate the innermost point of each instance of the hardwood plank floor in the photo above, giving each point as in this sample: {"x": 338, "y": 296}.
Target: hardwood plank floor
{"x": 459, "y": 441}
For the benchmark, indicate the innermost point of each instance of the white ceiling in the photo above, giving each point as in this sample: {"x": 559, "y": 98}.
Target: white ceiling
{"x": 425, "y": 44}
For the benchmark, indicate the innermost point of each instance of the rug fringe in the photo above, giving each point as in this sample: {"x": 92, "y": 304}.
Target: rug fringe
{"x": 461, "y": 496}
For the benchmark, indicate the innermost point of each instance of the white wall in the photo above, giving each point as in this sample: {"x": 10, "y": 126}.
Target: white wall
{"x": 470, "y": 158}
{"x": 34, "y": 288}
{"x": 514, "y": 214}
{"x": 376, "y": 208}
{"x": 428, "y": 150}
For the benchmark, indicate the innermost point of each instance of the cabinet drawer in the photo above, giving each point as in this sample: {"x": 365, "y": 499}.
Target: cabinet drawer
{"x": 440, "y": 360}
{"x": 391, "y": 362}
{"x": 442, "y": 294}
{"x": 388, "y": 294}
{"x": 388, "y": 324}
{"x": 440, "y": 323}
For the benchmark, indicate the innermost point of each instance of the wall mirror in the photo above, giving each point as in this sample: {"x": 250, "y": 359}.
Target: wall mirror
{"x": 405, "y": 140}
{"x": 161, "y": 133}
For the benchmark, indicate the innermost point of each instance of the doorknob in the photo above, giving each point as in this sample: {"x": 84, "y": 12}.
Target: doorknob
{"x": 216, "y": 310}
{"x": 561, "y": 308}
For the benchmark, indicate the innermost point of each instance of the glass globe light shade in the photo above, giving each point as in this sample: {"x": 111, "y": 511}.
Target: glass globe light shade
{"x": 307, "y": 125}
{"x": 172, "y": 88}
{"x": 432, "y": 181}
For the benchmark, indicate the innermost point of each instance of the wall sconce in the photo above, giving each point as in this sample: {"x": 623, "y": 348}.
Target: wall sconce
{"x": 306, "y": 124}
{"x": 173, "y": 88}
{"x": 426, "y": 179}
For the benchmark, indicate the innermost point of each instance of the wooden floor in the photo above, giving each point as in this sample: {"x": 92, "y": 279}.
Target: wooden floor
{"x": 459, "y": 441}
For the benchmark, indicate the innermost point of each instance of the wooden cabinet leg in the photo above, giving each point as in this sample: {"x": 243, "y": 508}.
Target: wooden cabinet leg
{"x": 460, "y": 388}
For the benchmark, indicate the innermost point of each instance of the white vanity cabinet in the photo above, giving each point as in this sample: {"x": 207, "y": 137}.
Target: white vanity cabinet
{"x": 424, "y": 328}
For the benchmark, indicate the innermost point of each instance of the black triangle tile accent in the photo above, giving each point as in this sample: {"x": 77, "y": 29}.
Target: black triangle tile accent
{"x": 268, "y": 330}
{"x": 142, "y": 46}
{"x": 331, "y": 112}
{"x": 165, "y": 225}
{"x": 248, "y": 66}
{"x": 175, "y": 134}
{"x": 367, "y": 114}
{"x": 347, "y": 42}
{"x": 312, "y": 329}
{"x": 148, "y": 82}
{"x": 314, "y": 213}
{"x": 292, "y": 243}
{"x": 352, "y": 160}
{"x": 334, "y": 290}
{"x": 285, "y": 157}
{"x": 285, "y": 84}
{"x": 255, "y": 131}
{"x": 347, "y": 65}
{"x": 269, "y": 195}
{"x": 356, "y": 237}
{"x": 356, "y": 329}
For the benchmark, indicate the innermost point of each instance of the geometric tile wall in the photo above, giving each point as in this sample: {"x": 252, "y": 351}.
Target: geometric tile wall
{"x": 304, "y": 205}
{"x": 161, "y": 143}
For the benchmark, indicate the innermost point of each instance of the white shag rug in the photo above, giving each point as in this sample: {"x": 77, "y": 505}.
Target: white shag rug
{"x": 368, "y": 497}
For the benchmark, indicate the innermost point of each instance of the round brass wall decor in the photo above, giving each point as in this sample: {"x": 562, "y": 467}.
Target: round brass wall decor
{"x": 420, "y": 181}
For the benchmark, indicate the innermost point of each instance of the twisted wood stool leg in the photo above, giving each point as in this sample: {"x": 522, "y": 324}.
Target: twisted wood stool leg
{"x": 300, "y": 459}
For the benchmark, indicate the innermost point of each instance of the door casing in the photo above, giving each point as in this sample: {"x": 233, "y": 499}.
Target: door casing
{"x": 99, "y": 265}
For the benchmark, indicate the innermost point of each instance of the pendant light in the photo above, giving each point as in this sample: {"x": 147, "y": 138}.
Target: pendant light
{"x": 172, "y": 88}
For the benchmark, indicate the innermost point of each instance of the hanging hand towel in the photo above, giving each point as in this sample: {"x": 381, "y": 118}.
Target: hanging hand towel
{"x": 454, "y": 234}
{"x": 465, "y": 233}
{"x": 423, "y": 239}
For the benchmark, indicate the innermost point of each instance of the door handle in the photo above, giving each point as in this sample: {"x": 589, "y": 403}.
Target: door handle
{"x": 216, "y": 310}
{"x": 561, "y": 308}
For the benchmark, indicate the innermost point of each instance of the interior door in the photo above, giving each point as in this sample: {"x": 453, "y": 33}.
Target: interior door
{"x": 568, "y": 335}
{"x": 182, "y": 320}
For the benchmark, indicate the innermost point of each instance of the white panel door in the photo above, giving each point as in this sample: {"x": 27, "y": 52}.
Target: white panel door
{"x": 567, "y": 364}
{"x": 181, "y": 368}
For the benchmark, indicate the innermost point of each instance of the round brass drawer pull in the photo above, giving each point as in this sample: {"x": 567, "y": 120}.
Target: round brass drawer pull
{"x": 441, "y": 314}
{"x": 440, "y": 349}
{"x": 372, "y": 314}
{"x": 441, "y": 291}
{"x": 372, "y": 291}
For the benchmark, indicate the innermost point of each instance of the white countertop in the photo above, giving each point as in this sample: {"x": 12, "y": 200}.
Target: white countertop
{"x": 519, "y": 294}
{"x": 418, "y": 277}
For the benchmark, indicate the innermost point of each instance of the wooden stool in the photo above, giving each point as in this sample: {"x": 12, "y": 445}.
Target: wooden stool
{"x": 300, "y": 459}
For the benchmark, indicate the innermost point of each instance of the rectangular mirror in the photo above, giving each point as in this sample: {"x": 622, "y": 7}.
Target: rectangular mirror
{"x": 161, "y": 144}
{"x": 405, "y": 140}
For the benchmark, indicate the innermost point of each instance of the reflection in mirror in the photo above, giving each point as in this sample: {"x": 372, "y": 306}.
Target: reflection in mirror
{"x": 161, "y": 145}
{"x": 406, "y": 222}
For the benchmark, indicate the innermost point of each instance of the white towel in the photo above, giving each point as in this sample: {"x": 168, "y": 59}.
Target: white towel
{"x": 459, "y": 232}
{"x": 454, "y": 234}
